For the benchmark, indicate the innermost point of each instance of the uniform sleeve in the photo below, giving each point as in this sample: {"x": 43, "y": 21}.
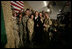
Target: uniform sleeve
{"x": 24, "y": 21}
{"x": 24, "y": 24}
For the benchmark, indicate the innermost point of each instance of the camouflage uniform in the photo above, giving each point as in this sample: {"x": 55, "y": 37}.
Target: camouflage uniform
{"x": 16, "y": 33}
{"x": 48, "y": 22}
{"x": 25, "y": 19}
{"x": 30, "y": 26}
{"x": 20, "y": 26}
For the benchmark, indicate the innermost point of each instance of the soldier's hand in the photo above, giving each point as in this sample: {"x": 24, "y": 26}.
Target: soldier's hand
{"x": 45, "y": 25}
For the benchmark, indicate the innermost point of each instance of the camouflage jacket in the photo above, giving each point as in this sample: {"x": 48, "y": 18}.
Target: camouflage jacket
{"x": 48, "y": 22}
{"x": 24, "y": 20}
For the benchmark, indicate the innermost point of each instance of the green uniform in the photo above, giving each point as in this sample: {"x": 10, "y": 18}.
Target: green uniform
{"x": 25, "y": 19}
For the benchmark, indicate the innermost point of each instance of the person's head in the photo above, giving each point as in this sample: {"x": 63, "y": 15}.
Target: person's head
{"x": 40, "y": 14}
{"x": 31, "y": 16}
{"x": 43, "y": 11}
{"x": 46, "y": 15}
{"x": 19, "y": 15}
{"x": 27, "y": 12}
{"x": 36, "y": 13}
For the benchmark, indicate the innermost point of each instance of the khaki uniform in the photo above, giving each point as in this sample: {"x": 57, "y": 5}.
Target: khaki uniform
{"x": 48, "y": 22}
{"x": 30, "y": 25}
{"x": 16, "y": 33}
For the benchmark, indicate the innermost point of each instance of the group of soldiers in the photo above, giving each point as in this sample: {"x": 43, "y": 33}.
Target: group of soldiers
{"x": 31, "y": 27}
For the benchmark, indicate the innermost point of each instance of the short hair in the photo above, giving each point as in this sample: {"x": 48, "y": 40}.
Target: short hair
{"x": 47, "y": 12}
{"x": 36, "y": 11}
{"x": 40, "y": 12}
{"x": 27, "y": 9}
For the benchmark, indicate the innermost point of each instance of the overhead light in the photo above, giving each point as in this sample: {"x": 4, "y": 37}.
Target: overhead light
{"x": 48, "y": 10}
{"x": 45, "y": 3}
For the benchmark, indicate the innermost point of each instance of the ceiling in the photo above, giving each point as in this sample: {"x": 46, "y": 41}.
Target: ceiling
{"x": 38, "y": 5}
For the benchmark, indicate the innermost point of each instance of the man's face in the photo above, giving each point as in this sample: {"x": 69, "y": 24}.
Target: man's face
{"x": 27, "y": 12}
{"x": 46, "y": 15}
{"x": 40, "y": 14}
{"x": 36, "y": 13}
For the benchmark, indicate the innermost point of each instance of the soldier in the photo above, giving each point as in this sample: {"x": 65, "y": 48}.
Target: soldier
{"x": 30, "y": 25}
{"x": 20, "y": 26}
{"x": 25, "y": 19}
{"x": 47, "y": 23}
{"x": 15, "y": 29}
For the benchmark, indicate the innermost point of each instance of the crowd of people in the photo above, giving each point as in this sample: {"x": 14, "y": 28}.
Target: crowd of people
{"x": 31, "y": 27}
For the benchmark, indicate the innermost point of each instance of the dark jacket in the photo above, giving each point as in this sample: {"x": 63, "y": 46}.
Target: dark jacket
{"x": 35, "y": 24}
